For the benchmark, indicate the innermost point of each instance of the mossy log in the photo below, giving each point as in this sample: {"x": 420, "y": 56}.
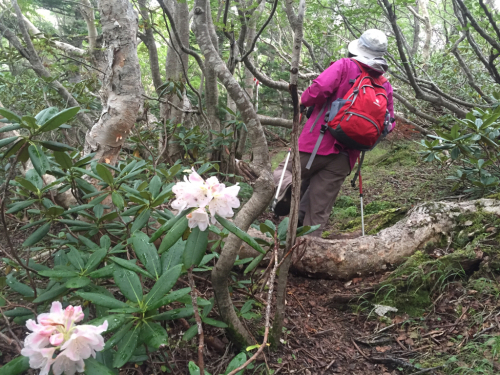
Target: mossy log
{"x": 347, "y": 258}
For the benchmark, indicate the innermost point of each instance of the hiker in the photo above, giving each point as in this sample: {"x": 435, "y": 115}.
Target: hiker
{"x": 333, "y": 161}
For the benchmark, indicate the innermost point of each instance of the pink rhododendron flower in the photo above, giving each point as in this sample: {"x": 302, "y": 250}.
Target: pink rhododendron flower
{"x": 56, "y": 332}
{"x": 210, "y": 195}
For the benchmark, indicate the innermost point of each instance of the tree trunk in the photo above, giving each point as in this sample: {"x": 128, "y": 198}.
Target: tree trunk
{"x": 122, "y": 90}
{"x": 263, "y": 185}
{"x": 345, "y": 259}
{"x": 176, "y": 62}
{"x": 426, "y": 52}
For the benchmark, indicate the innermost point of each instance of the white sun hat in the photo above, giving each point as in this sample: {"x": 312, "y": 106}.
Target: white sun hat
{"x": 372, "y": 44}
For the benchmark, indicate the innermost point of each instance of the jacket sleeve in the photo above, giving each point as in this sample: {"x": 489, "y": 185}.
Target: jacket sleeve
{"x": 390, "y": 103}
{"x": 324, "y": 86}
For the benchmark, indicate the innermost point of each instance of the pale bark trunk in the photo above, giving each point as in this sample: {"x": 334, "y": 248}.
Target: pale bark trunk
{"x": 87, "y": 11}
{"x": 263, "y": 185}
{"x": 176, "y": 62}
{"x": 298, "y": 35}
{"x": 347, "y": 258}
{"x": 426, "y": 52}
{"x": 149, "y": 40}
{"x": 122, "y": 91}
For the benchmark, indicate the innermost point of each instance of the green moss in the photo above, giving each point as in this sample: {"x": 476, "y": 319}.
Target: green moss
{"x": 277, "y": 159}
{"x": 376, "y": 222}
{"x": 325, "y": 234}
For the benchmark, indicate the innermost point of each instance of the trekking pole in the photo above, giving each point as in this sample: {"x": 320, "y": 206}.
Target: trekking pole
{"x": 281, "y": 179}
{"x": 361, "y": 199}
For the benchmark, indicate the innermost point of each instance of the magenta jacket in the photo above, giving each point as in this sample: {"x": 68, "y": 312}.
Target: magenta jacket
{"x": 330, "y": 85}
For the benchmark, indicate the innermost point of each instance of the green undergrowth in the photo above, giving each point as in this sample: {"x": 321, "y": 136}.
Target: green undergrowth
{"x": 394, "y": 179}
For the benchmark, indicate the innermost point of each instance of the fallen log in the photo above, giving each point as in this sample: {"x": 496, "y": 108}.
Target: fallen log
{"x": 347, "y": 258}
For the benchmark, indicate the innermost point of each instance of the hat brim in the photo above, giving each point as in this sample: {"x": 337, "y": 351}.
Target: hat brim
{"x": 357, "y": 49}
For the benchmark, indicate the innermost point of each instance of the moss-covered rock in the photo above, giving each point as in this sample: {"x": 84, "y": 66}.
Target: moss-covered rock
{"x": 374, "y": 223}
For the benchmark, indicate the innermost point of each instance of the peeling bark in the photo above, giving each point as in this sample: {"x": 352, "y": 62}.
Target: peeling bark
{"x": 121, "y": 91}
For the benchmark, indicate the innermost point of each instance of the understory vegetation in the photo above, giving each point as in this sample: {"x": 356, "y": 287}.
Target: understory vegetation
{"x": 138, "y": 141}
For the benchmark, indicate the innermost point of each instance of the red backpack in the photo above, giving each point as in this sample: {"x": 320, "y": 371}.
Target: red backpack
{"x": 360, "y": 121}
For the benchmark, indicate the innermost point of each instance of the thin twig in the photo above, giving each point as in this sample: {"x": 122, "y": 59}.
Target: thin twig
{"x": 194, "y": 300}
{"x": 268, "y": 309}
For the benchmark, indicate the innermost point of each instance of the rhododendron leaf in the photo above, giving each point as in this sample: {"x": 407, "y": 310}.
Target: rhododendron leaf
{"x": 130, "y": 266}
{"x": 147, "y": 253}
{"x": 75, "y": 258}
{"x": 77, "y": 282}
{"x": 19, "y": 287}
{"x": 102, "y": 300}
{"x": 52, "y": 294}
{"x": 17, "y": 366}
{"x": 141, "y": 220}
{"x": 213, "y": 322}
{"x": 104, "y": 174}
{"x": 95, "y": 259}
{"x": 169, "y": 224}
{"x": 58, "y": 273}
{"x": 129, "y": 284}
{"x": 38, "y": 235}
{"x": 196, "y": 246}
{"x": 38, "y": 159}
{"x": 163, "y": 285}
{"x": 190, "y": 333}
{"x": 173, "y": 256}
{"x": 153, "y": 334}
{"x": 239, "y": 233}
{"x": 103, "y": 272}
{"x": 173, "y": 235}
{"x": 184, "y": 312}
{"x": 126, "y": 310}
{"x": 126, "y": 348}
{"x": 155, "y": 186}
{"x": 254, "y": 263}
{"x": 174, "y": 296}
{"x": 92, "y": 367}
{"x": 118, "y": 336}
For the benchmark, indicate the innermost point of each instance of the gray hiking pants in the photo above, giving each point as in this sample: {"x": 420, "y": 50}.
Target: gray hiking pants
{"x": 320, "y": 186}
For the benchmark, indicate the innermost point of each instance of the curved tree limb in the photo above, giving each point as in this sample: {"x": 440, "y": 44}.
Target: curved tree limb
{"x": 264, "y": 79}
{"x": 275, "y": 121}
{"x": 263, "y": 185}
{"x": 414, "y": 109}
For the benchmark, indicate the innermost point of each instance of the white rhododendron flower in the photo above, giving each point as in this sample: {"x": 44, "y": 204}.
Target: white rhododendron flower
{"x": 56, "y": 332}
{"x": 210, "y": 195}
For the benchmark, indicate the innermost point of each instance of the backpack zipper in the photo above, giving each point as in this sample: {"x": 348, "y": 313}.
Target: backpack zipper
{"x": 366, "y": 118}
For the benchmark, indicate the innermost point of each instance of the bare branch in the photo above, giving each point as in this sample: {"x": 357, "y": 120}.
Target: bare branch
{"x": 414, "y": 109}
{"x": 275, "y": 121}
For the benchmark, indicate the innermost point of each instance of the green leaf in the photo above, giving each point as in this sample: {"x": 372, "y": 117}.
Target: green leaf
{"x": 173, "y": 256}
{"x": 283, "y": 229}
{"x": 9, "y": 115}
{"x": 95, "y": 259}
{"x": 236, "y": 362}
{"x": 213, "y": 322}
{"x": 20, "y": 206}
{"x": 39, "y": 159}
{"x": 56, "y": 146}
{"x": 173, "y": 234}
{"x": 76, "y": 259}
{"x": 10, "y": 128}
{"x": 14, "y": 148}
{"x": 58, "y": 273}
{"x": 147, "y": 253}
{"x": 92, "y": 367}
{"x": 52, "y": 294}
{"x": 102, "y": 300}
{"x": 37, "y": 235}
{"x": 115, "y": 339}
{"x": 33, "y": 177}
{"x": 77, "y": 282}
{"x": 19, "y": 287}
{"x": 129, "y": 284}
{"x": 196, "y": 246}
{"x": 6, "y": 141}
{"x": 117, "y": 200}
{"x": 163, "y": 285}
{"x": 254, "y": 263}
{"x": 18, "y": 311}
{"x": 130, "y": 266}
{"x": 17, "y": 366}
{"x": 184, "y": 312}
{"x": 140, "y": 221}
{"x": 57, "y": 120}
{"x": 155, "y": 186}
{"x": 63, "y": 160}
{"x": 126, "y": 348}
{"x": 105, "y": 174}
{"x": 153, "y": 335}
{"x": 45, "y": 114}
{"x": 174, "y": 296}
{"x": 190, "y": 333}
{"x": 239, "y": 233}
{"x": 103, "y": 272}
